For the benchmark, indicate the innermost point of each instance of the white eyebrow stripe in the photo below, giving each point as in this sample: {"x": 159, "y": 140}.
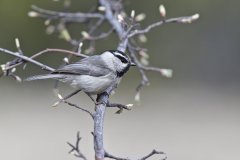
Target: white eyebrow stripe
{"x": 119, "y": 54}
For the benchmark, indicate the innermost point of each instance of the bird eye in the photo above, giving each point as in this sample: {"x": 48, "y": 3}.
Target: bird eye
{"x": 122, "y": 59}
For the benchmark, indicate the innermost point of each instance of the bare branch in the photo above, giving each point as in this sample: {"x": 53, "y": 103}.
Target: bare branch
{"x": 59, "y": 50}
{"x": 154, "y": 152}
{"x": 18, "y": 45}
{"x": 78, "y": 107}
{"x": 75, "y": 150}
{"x": 16, "y": 54}
{"x": 65, "y": 98}
{"x": 108, "y": 155}
{"x": 98, "y": 131}
{"x": 111, "y": 18}
{"x": 164, "y": 72}
{"x": 46, "y": 51}
{"x": 73, "y": 17}
{"x": 120, "y": 106}
{"x": 101, "y": 36}
{"x": 144, "y": 79}
{"x": 102, "y": 100}
{"x": 186, "y": 19}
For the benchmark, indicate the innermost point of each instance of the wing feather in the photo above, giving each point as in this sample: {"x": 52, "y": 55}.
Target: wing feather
{"x": 87, "y": 66}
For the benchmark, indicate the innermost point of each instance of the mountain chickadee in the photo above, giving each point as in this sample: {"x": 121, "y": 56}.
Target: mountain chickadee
{"x": 93, "y": 74}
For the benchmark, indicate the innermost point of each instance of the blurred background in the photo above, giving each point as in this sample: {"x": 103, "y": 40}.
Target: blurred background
{"x": 194, "y": 115}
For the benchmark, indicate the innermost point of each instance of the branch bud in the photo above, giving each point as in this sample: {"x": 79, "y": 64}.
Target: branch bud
{"x": 120, "y": 18}
{"x": 101, "y": 8}
{"x": 80, "y": 47}
{"x": 140, "y": 17}
{"x": 144, "y": 58}
{"x": 129, "y": 105}
{"x": 142, "y": 38}
{"x": 80, "y": 44}
{"x": 144, "y": 61}
{"x": 195, "y": 17}
{"x": 143, "y": 54}
{"x": 3, "y": 67}
{"x": 56, "y": 104}
{"x": 190, "y": 19}
{"x": 89, "y": 50}
{"x": 85, "y": 34}
{"x": 13, "y": 70}
{"x": 60, "y": 96}
{"x": 65, "y": 34}
{"x": 132, "y": 13}
{"x": 17, "y": 42}
{"x": 50, "y": 29}
{"x": 66, "y": 60}
{"x": 167, "y": 73}
{"x": 33, "y": 14}
{"x": 162, "y": 11}
{"x": 18, "y": 79}
{"x": 137, "y": 97}
{"x": 47, "y": 22}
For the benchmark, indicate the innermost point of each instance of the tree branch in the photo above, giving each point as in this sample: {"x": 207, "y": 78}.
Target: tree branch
{"x": 75, "y": 150}
{"x": 144, "y": 79}
{"x": 186, "y": 19}
{"x": 72, "y": 17}
{"x": 120, "y": 106}
{"x": 78, "y": 107}
{"x": 108, "y": 155}
{"x": 46, "y": 51}
{"x": 16, "y": 54}
{"x": 154, "y": 152}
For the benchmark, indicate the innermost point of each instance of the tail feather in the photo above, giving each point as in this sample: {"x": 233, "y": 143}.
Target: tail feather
{"x": 41, "y": 77}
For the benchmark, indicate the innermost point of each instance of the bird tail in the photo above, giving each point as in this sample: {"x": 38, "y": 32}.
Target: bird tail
{"x": 45, "y": 76}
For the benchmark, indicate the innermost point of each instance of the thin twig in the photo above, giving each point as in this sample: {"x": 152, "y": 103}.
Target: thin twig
{"x": 101, "y": 36}
{"x": 64, "y": 100}
{"x": 66, "y": 97}
{"x": 59, "y": 50}
{"x": 108, "y": 155}
{"x": 75, "y": 150}
{"x": 78, "y": 107}
{"x": 154, "y": 152}
{"x": 73, "y": 17}
{"x": 120, "y": 106}
{"x": 144, "y": 79}
{"x": 92, "y": 29}
{"x": 46, "y": 51}
{"x": 111, "y": 17}
{"x": 185, "y": 19}
{"x": 16, "y": 54}
{"x": 159, "y": 70}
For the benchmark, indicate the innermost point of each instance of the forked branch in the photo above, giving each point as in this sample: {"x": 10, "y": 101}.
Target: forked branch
{"x": 75, "y": 150}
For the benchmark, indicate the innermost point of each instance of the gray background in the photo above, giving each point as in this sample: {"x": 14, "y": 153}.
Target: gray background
{"x": 194, "y": 115}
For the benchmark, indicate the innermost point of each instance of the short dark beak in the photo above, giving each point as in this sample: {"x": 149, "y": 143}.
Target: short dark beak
{"x": 133, "y": 64}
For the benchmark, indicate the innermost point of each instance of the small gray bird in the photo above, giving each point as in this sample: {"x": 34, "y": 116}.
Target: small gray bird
{"x": 93, "y": 74}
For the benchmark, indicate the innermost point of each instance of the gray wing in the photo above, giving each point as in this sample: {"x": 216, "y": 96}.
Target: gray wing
{"x": 92, "y": 66}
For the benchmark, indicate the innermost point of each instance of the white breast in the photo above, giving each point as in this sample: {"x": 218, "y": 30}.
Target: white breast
{"x": 92, "y": 85}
